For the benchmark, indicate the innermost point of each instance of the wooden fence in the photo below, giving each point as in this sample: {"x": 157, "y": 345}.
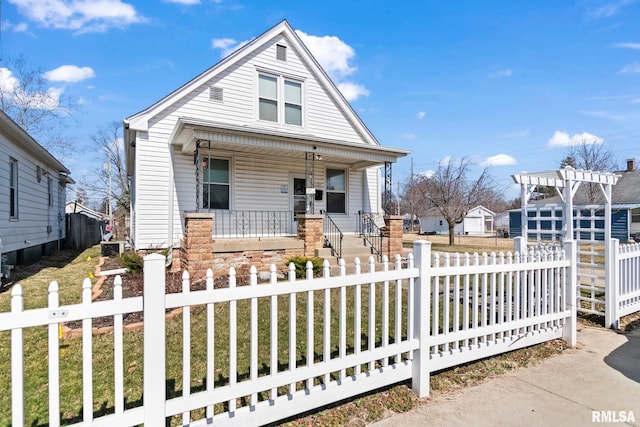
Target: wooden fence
{"x": 256, "y": 354}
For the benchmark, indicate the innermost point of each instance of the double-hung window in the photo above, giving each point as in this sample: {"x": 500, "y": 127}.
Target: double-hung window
{"x": 635, "y": 215}
{"x": 279, "y": 100}
{"x": 216, "y": 184}
{"x": 13, "y": 188}
{"x": 336, "y": 191}
{"x": 268, "y": 88}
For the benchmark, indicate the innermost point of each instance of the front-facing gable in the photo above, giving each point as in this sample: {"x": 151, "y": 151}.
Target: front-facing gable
{"x": 227, "y": 95}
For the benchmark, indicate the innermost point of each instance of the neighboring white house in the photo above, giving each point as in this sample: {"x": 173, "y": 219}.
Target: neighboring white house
{"x": 258, "y": 138}
{"x": 32, "y": 196}
{"x": 73, "y": 206}
{"x": 479, "y": 221}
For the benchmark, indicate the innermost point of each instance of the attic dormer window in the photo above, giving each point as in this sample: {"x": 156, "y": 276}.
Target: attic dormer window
{"x": 281, "y": 52}
{"x": 280, "y": 99}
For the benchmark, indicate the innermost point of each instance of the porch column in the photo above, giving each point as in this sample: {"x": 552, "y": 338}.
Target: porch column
{"x": 393, "y": 223}
{"x": 197, "y": 248}
{"x": 310, "y": 231}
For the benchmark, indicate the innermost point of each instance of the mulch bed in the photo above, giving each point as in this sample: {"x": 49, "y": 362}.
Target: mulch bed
{"x": 133, "y": 286}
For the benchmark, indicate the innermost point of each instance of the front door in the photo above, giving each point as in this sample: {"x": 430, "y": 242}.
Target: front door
{"x": 298, "y": 196}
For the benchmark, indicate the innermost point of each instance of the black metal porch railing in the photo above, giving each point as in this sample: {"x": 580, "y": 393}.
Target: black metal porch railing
{"x": 332, "y": 235}
{"x": 228, "y": 224}
{"x": 370, "y": 231}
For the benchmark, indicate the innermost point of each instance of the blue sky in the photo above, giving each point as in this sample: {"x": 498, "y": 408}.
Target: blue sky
{"x": 508, "y": 84}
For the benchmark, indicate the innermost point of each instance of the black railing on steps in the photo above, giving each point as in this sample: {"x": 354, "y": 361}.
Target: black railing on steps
{"x": 332, "y": 235}
{"x": 370, "y": 231}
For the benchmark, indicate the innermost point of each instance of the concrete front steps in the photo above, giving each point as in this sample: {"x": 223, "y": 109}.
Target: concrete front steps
{"x": 353, "y": 247}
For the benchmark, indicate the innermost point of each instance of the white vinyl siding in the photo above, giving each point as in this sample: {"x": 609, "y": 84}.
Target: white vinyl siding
{"x": 34, "y": 216}
{"x": 255, "y": 182}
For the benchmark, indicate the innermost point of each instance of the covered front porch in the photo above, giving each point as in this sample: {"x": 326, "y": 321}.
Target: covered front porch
{"x": 264, "y": 185}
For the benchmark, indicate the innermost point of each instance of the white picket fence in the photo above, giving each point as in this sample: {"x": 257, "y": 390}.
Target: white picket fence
{"x": 623, "y": 290}
{"x": 345, "y": 335}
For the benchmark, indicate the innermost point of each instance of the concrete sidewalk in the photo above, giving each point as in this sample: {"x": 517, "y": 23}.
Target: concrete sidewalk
{"x": 599, "y": 379}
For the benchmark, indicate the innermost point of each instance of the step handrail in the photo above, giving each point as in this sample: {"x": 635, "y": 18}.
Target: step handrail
{"x": 332, "y": 235}
{"x": 370, "y": 231}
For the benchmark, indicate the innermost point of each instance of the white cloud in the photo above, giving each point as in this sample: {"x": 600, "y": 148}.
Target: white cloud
{"x": 69, "y": 74}
{"x": 20, "y": 27}
{"x": 499, "y": 160}
{"x": 421, "y": 115}
{"x": 501, "y": 73}
{"x": 631, "y": 69}
{"x": 184, "y": 2}
{"x": 609, "y": 9}
{"x": 628, "y": 45}
{"x": 10, "y": 86}
{"x": 335, "y": 57}
{"x": 562, "y": 139}
{"x": 81, "y": 16}
{"x": 352, "y": 91}
{"x": 227, "y": 46}
{"x": 427, "y": 174}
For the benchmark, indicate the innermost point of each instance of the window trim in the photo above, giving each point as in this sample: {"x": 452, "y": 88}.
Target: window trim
{"x": 345, "y": 191}
{"x": 635, "y": 214}
{"x": 229, "y": 184}
{"x": 13, "y": 188}
{"x": 281, "y": 79}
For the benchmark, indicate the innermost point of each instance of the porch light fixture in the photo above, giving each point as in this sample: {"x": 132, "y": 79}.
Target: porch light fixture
{"x": 318, "y": 157}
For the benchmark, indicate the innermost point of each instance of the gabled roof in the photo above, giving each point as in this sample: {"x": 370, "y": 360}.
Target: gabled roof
{"x": 20, "y": 137}
{"x": 140, "y": 121}
{"x": 436, "y": 212}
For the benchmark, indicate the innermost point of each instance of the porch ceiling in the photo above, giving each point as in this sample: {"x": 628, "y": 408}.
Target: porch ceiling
{"x": 273, "y": 143}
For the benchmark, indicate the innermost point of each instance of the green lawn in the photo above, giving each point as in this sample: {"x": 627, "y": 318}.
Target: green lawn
{"x": 70, "y": 273}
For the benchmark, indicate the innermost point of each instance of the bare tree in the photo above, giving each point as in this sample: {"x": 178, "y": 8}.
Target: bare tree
{"x": 454, "y": 194}
{"x": 41, "y": 110}
{"x": 113, "y": 176}
{"x": 593, "y": 157}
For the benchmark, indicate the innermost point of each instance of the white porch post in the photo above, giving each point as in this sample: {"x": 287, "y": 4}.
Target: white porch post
{"x": 421, "y": 310}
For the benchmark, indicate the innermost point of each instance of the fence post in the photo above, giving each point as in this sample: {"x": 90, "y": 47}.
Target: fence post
{"x": 520, "y": 245}
{"x": 570, "y": 329}
{"x": 421, "y": 310}
{"x": 154, "y": 340}
{"x": 611, "y": 281}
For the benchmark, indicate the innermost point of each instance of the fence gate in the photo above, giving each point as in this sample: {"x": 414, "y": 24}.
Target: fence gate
{"x": 589, "y": 232}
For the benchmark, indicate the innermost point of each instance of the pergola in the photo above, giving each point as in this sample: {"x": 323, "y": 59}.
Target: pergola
{"x": 566, "y": 181}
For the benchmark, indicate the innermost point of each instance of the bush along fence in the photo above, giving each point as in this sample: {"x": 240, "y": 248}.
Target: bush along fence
{"x": 256, "y": 354}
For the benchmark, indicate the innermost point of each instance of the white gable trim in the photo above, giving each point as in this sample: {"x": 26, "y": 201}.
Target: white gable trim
{"x": 140, "y": 121}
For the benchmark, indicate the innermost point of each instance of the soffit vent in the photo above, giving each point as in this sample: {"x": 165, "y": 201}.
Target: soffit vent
{"x": 215, "y": 93}
{"x": 281, "y": 52}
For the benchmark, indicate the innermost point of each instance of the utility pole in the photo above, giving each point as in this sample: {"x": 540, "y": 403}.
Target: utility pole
{"x": 411, "y": 196}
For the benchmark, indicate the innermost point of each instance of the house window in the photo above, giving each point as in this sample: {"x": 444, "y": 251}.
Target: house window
{"x": 292, "y": 103}
{"x": 635, "y": 215}
{"x": 336, "y": 191}
{"x": 268, "y": 100}
{"x": 272, "y": 91}
{"x": 216, "y": 188}
{"x": 13, "y": 188}
{"x": 50, "y": 191}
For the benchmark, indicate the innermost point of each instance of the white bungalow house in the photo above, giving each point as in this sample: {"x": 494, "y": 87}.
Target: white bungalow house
{"x": 256, "y": 140}
{"x": 478, "y": 222}
{"x": 32, "y": 197}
